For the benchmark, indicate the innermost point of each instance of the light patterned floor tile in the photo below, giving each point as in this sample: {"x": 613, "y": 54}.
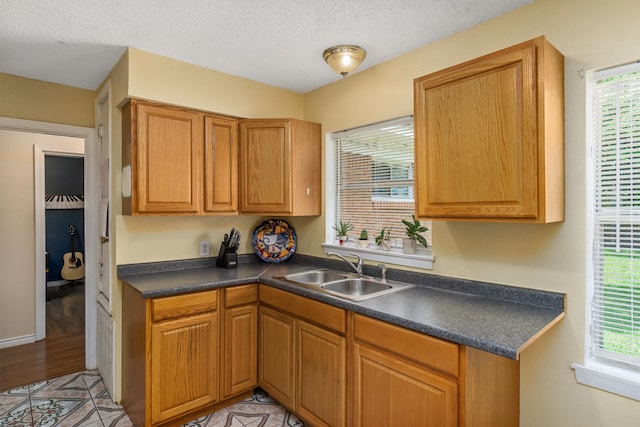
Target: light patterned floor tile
{"x": 18, "y": 391}
{"x": 81, "y": 400}
{"x": 8, "y": 402}
{"x": 63, "y": 411}
{"x": 282, "y": 418}
{"x": 111, "y": 412}
{"x": 67, "y": 386}
{"x": 118, "y": 420}
{"x": 254, "y": 408}
{"x": 94, "y": 383}
{"x": 216, "y": 419}
{"x": 18, "y": 414}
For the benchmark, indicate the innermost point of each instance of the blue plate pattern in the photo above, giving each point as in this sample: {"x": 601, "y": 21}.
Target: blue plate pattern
{"x": 274, "y": 240}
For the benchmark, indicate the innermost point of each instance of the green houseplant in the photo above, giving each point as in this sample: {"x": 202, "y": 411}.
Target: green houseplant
{"x": 384, "y": 239}
{"x": 413, "y": 230}
{"x": 342, "y": 228}
{"x": 363, "y": 241}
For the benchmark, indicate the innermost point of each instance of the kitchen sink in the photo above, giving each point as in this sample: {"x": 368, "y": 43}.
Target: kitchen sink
{"x": 315, "y": 277}
{"x": 356, "y": 286}
{"x": 344, "y": 285}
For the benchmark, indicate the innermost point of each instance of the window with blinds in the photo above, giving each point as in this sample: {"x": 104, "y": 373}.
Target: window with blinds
{"x": 374, "y": 177}
{"x": 615, "y": 305}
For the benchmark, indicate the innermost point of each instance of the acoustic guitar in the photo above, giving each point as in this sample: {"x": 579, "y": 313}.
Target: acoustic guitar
{"x": 73, "y": 268}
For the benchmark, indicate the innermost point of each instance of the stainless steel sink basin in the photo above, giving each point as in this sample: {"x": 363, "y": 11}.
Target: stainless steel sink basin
{"x": 356, "y": 287}
{"x": 315, "y": 277}
{"x": 344, "y": 285}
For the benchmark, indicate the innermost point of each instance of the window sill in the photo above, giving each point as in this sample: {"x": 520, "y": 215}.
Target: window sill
{"x": 421, "y": 259}
{"x": 623, "y": 382}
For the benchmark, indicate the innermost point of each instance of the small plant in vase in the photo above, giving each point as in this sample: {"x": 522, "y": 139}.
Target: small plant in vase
{"x": 342, "y": 228}
{"x": 412, "y": 230}
{"x": 384, "y": 239}
{"x": 363, "y": 241}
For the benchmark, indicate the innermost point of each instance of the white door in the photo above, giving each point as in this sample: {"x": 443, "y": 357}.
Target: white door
{"x": 104, "y": 264}
{"x": 105, "y": 339}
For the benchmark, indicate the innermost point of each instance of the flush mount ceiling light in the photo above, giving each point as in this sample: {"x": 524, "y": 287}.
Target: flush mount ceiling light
{"x": 344, "y": 59}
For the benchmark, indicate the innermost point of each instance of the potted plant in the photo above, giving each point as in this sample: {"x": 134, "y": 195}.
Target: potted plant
{"x": 384, "y": 239}
{"x": 413, "y": 229}
{"x": 363, "y": 241}
{"x": 342, "y": 228}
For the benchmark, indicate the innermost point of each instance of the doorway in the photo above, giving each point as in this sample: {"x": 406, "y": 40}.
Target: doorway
{"x": 64, "y": 243}
{"x": 37, "y": 245}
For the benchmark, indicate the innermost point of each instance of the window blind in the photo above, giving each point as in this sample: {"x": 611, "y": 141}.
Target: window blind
{"x": 374, "y": 176}
{"x": 615, "y": 307}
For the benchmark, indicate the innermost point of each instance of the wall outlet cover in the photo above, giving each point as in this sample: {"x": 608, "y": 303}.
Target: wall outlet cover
{"x": 204, "y": 248}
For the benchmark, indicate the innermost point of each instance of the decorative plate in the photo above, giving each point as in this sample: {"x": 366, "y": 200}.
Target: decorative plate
{"x": 274, "y": 240}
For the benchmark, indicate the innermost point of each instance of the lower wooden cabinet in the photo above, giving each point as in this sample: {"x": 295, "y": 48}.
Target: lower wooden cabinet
{"x": 390, "y": 391}
{"x": 277, "y": 355}
{"x": 170, "y": 356}
{"x": 239, "y": 368}
{"x": 187, "y": 355}
{"x": 402, "y": 377}
{"x": 321, "y": 375}
{"x": 184, "y": 354}
{"x": 302, "y": 356}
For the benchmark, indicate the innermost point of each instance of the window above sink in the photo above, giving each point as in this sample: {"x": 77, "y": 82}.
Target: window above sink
{"x": 370, "y": 170}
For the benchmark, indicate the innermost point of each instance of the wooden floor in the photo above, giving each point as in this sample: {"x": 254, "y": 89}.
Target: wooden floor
{"x": 61, "y": 353}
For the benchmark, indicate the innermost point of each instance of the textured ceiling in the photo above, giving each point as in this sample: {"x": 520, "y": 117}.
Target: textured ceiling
{"x": 277, "y": 42}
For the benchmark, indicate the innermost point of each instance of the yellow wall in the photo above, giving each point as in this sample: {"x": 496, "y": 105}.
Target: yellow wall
{"x": 35, "y": 100}
{"x": 591, "y": 34}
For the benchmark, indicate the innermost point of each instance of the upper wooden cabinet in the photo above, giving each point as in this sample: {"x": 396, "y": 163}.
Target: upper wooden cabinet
{"x": 489, "y": 138}
{"x": 182, "y": 162}
{"x": 280, "y": 167}
{"x": 220, "y": 165}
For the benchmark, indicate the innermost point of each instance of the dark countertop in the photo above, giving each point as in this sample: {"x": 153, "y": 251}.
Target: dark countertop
{"x": 495, "y": 318}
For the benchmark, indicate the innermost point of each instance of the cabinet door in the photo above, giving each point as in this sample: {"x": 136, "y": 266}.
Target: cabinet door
{"x": 265, "y": 166}
{"x": 389, "y": 391}
{"x": 239, "y": 364}
{"x": 184, "y": 364}
{"x": 167, "y": 147}
{"x": 276, "y": 356}
{"x": 489, "y": 139}
{"x": 321, "y": 372}
{"x": 220, "y": 165}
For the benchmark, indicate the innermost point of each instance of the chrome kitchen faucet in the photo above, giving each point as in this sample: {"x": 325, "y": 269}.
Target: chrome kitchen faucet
{"x": 357, "y": 267}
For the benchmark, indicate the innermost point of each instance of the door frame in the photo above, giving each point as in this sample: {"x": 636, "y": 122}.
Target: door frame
{"x": 90, "y": 220}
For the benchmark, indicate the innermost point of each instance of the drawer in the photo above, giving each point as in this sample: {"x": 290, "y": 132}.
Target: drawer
{"x": 312, "y": 311}
{"x": 434, "y": 353}
{"x": 183, "y": 305}
{"x": 240, "y": 295}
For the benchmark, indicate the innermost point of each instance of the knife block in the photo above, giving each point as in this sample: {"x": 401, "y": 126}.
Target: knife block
{"x": 227, "y": 257}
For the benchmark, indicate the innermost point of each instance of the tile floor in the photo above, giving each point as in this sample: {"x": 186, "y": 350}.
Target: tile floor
{"x": 81, "y": 400}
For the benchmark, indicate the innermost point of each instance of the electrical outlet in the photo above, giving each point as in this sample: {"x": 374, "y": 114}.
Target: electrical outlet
{"x": 204, "y": 248}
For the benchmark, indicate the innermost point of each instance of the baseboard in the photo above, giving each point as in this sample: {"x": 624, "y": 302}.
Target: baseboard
{"x": 12, "y": 342}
